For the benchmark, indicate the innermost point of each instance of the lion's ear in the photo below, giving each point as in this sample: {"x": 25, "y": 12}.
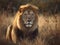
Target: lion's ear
{"x": 20, "y": 10}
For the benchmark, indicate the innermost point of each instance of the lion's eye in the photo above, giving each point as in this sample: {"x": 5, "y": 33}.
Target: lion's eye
{"x": 32, "y": 14}
{"x": 25, "y": 14}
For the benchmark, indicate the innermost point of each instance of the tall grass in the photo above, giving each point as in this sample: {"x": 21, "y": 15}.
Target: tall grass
{"x": 49, "y": 30}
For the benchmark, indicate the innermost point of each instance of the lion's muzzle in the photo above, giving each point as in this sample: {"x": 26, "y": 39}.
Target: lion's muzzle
{"x": 29, "y": 24}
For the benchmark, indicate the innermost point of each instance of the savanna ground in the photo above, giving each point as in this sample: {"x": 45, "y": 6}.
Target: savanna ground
{"x": 49, "y": 27}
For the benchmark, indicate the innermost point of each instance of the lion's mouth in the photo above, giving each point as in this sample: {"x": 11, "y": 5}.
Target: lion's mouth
{"x": 28, "y": 24}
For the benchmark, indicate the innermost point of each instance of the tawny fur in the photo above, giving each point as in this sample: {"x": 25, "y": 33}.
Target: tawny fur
{"x": 18, "y": 23}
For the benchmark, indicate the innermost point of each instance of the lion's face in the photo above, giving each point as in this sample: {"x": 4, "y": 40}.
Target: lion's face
{"x": 28, "y": 18}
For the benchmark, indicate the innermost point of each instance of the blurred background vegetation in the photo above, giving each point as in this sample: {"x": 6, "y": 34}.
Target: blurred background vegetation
{"x": 44, "y": 5}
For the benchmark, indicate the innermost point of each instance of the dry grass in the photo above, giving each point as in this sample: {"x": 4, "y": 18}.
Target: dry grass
{"x": 49, "y": 30}
{"x": 49, "y": 26}
{"x": 4, "y": 22}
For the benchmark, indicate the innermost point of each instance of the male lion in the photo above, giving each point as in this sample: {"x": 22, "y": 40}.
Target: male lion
{"x": 25, "y": 24}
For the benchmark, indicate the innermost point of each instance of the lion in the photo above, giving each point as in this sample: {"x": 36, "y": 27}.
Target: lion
{"x": 24, "y": 25}
{"x": 30, "y": 28}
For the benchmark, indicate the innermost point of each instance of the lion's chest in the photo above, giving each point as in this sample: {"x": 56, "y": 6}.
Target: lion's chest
{"x": 27, "y": 35}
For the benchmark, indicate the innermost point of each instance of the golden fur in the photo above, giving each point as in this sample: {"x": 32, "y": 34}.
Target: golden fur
{"x": 19, "y": 25}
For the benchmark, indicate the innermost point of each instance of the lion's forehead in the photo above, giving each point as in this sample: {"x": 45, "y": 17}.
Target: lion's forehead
{"x": 28, "y": 12}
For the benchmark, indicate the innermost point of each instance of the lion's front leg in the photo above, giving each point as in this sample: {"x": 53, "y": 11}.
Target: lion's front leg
{"x": 8, "y": 34}
{"x": 13, "y": 36}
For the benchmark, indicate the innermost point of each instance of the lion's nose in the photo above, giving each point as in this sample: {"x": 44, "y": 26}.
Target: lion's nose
{"x": 29, "y": 20}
